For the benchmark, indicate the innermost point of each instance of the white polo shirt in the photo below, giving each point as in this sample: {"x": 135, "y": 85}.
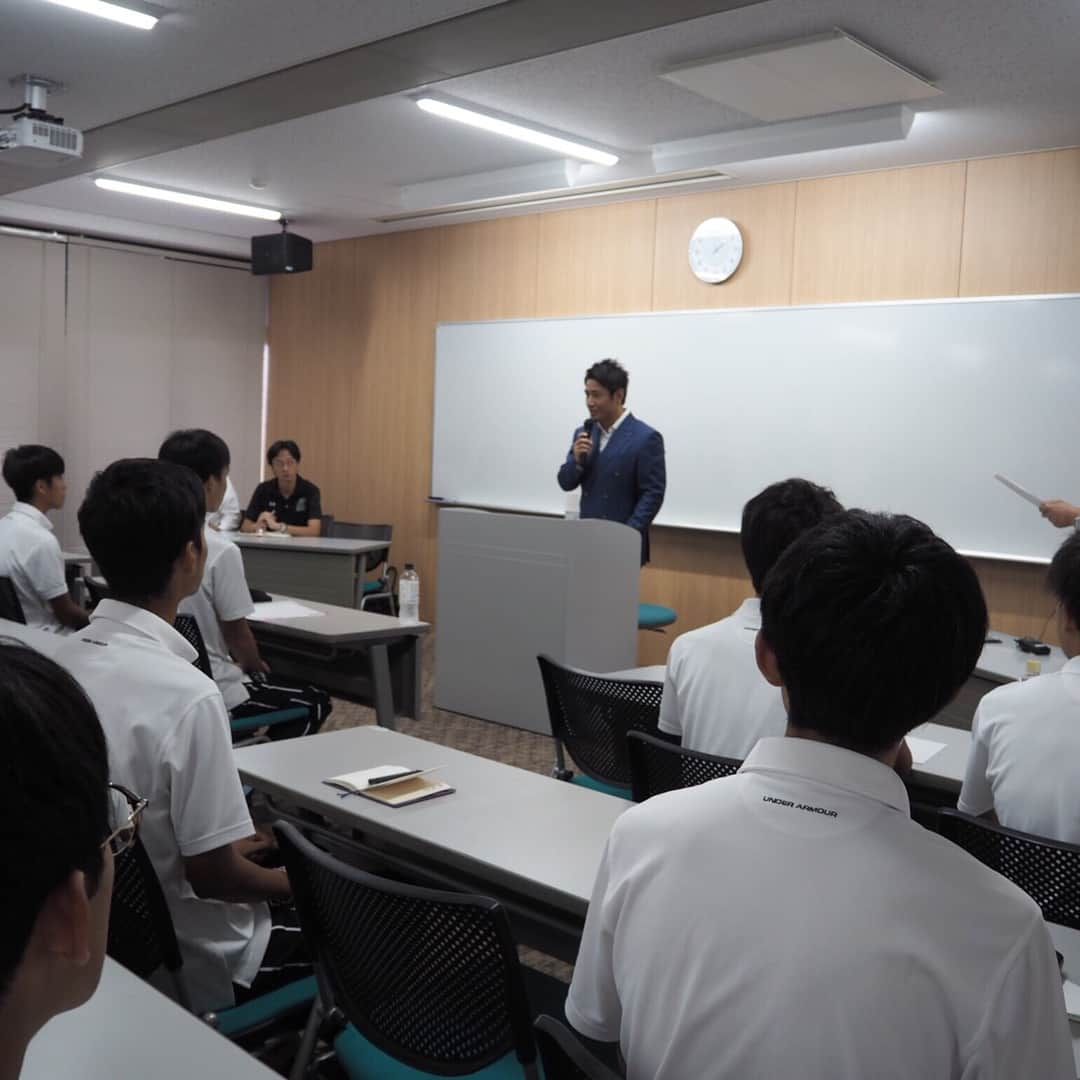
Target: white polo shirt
{"x": 792, "y": 921}
{"x": 1024, "y": 762}
{"x": 223, "y": 596}
{"x": 715, "y": 699}
{"x": 227, "y": 516}
{"x": 30, "y": 556}
{"x": 168, "y": 739}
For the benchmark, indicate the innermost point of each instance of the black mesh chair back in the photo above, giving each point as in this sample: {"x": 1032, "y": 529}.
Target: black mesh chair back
{"x": 326, "y": 525}
{"x": 564, "y": 1055}
{"x": 141, "y": 935}
{"x": 351, "y": 530}
{"x": 96, "y": 590}
{"x": 657, "y": 766}
{"x": 591, "y": 716}
{"x": 429, "y": 977}
{"x": 10, "y": 606}
{"x": 1047, "y": 870}
{"x": 189, "y": 629}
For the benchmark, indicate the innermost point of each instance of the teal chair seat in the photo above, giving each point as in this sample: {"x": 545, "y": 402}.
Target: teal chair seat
{"x": 654, "y": 616}
{"x": 266, "y": 1008}
{"x": 599, "y": 785}
{"x": 362, "y": 1060}
{"x": 374, "y": 586}
{"x": 243, "y": 725}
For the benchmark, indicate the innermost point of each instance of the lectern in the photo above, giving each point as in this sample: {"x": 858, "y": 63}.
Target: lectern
{"x": 512, "y": 586}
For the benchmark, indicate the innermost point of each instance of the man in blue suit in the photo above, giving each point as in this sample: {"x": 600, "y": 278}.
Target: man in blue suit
{"x": 617, "y": 459}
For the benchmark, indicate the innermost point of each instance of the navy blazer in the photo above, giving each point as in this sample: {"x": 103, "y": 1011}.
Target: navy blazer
{"x": 624, "y": 483}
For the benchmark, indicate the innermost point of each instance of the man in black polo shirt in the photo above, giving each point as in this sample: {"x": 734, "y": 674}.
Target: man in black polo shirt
{"x": 288, "y": 503}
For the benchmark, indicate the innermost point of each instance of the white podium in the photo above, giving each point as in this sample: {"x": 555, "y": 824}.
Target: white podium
{"x": 512, "y": 586}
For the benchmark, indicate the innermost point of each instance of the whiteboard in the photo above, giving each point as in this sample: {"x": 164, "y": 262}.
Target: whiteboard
{"x": 907, "y": 407}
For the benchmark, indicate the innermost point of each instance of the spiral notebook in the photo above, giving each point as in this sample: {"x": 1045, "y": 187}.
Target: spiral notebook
{"x": 391, "y": 785}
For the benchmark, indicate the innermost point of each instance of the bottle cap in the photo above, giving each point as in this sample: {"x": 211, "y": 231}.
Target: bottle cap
{"x": 410, "y": 566}
{"x": 1034, "y": 667}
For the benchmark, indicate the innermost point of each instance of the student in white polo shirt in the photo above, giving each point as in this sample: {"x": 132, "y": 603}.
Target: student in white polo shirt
{"x": 715, "y": 699}
{"x": 168, "y": 733}
{"x": 222, "y": 604}
{"x": 792, "y": 920}
{"x": 227, "y": 517}
{"x": 1024, "y": 762}
{"x": 29, "y": 552}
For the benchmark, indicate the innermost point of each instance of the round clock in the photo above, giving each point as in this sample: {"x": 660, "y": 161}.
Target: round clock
{"x": 716, "y": 250}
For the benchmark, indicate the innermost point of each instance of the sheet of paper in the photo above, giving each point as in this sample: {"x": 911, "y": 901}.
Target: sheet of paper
{"x": 1021, "y": 491}
{"x": 922, "y": 750}
{"x": 282, "y": 609}
{"x": 1072, "y": 999}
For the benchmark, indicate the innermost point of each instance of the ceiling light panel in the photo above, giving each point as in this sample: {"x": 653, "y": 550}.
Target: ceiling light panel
{"x": 141, "y": 20}
{"x": 814, "y": 76}
{"x": 203, "y": 202}
{"x": 513, "y": 130}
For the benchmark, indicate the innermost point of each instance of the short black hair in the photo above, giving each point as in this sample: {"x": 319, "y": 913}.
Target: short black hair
{"x": 1063, "y": 578}
{"x": 875, "y": 622}
{"x": 135, "y": 520}
{"x": 611, "y": 375}
{"x": 203, "y": 452}
{"x": 54, "y": 804}
{"x": 775, "y": 517}
{"x": 25, "y": 465}
{"x": 277, "y": 447}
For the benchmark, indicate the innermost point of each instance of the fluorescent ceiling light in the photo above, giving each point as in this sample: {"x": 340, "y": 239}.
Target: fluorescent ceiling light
{"x": 203, "y": 202}
{"x": 516, "y": 131}
{"x": 117, "y": 13}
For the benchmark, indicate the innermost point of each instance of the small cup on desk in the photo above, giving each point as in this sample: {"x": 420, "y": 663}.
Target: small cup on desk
{"x": 261, "y": 530}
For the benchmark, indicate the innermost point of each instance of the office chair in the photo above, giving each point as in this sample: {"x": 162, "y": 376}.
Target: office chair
{"x": 188, "y": 627}
{"x": 565, "y": 1057}
{"x": 326, "y": 524}
{"x": 409, "y": 976}
{"x": 142, "y": 938}
{"x": 383, "y": 586}
{"x": 657, "y": 766}
{"x": 655, "y": 617}
{"x": 1047, "y": 870}
{"x": 591, "y": 715}
{"x": 10, "y": 605}
{"x": 96, "y": 589}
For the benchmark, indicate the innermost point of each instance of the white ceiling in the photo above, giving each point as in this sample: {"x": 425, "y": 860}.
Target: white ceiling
{"x": 1008, "y": 72}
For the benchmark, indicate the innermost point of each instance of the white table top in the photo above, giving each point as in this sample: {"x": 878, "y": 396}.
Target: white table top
{"x": 652, "y": 673}
{"x": 502, "y": 824}
{"x": 338, "y": 625}
{"x": 949, "y": 763}
{"x": 128, "y": 1029}
{"x": 1004, "y": 662}
{"x": 78, "y": 557}
{"x": 321, "y": 544}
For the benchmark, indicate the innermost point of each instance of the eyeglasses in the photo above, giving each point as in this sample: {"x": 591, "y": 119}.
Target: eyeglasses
{"x": 125, "y": 808}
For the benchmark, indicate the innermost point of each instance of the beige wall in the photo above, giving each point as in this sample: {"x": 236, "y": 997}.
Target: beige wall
{"x": 352, "y": 343}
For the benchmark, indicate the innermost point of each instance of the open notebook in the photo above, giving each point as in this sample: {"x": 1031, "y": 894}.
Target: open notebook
{"x": 391, "y": 785}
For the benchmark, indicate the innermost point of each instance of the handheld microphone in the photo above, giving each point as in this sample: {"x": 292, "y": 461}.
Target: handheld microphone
{"x": 589, "y": 424}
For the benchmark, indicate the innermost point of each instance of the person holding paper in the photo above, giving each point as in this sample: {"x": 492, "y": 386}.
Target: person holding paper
{"x": 222, "y": 604}
{"x": 1061, "y": 513}
{"x": 617, "y": 459}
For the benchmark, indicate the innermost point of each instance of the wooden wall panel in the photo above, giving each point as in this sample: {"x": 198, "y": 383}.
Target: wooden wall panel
{"x": 891, "y": 235}
{"x": 487, "y": 270}
{"x": 766, "y": 217}
{"x": 596, "y": 260}
{"x": 1022, "y": 225}
{"x": 352, "y": 343}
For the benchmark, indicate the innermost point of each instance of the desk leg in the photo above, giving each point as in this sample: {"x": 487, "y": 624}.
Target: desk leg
{"x": 382, "y": 690}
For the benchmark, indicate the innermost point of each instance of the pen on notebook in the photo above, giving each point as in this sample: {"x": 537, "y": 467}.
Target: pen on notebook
{"x": 389, "y": 778}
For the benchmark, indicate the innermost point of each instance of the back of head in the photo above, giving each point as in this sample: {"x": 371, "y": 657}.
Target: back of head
{"x": 776, "y": 517}
{"x": 875, "y": 623}
{"x": 199, "y": 450}
{"x": 1063, "y": 578}
{"x": 137, "y": 518}
{"x": 53, "y": 799}
{"x": 24, "y": 466}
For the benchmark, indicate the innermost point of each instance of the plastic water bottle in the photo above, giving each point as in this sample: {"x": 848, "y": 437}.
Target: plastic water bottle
{"x": 409, "y": 594}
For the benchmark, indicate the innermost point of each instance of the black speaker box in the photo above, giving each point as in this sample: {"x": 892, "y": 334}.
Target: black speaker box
{"x": 280, "y": 253}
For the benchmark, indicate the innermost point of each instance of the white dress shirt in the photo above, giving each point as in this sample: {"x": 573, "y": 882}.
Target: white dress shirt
{"x": 1024, "y": 761}
{"x": 606, "y": 433}
{"x": 30, "y": 556}
{"x": 715, "y": 699}
{"x": 792, "y": 921}
{"x": 224, "y": 596}
{"x": 169, "y": 741}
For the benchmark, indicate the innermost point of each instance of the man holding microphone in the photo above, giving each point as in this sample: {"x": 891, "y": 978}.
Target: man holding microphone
{"x": 616, "y": 458}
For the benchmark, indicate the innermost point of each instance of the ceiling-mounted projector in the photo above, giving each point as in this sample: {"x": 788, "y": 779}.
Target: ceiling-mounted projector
{"x": 32, "y": 136}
